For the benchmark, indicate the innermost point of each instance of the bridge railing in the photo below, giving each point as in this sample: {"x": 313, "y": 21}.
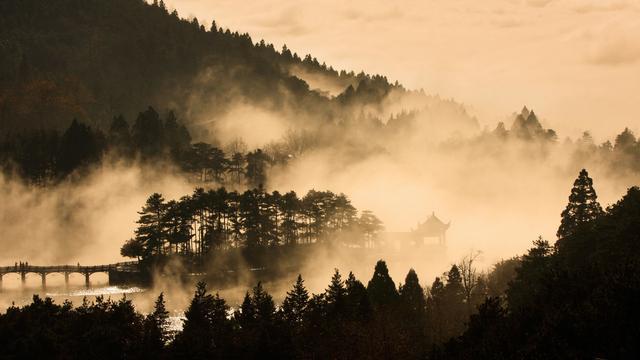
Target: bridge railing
{"x": 67, "y": 268}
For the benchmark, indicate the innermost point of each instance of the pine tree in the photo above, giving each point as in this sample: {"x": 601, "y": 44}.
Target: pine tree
{"x": 218, "y": 164}
{"x": 412, "y": 296}
{"x": 196, "y": 341}
{"x": 370, "y": 226}
{"x": 413, "y": 314}
{"x": 583, "y": 205}
{"x": 220, "y": 324}
{"x": 236, "y": 167}
{"x": 150, "y": 231}
{"x": 247, "y": 315}
{"x": 290, "y": 207}
{"x": 625, "y": 141}
{"x": 335, "y": 293}
{"x": 454, "y": 308}
{"x": 357, "y": 299}
{"x": 156, "y": 328}
{"x": 454, "y": 283}
{"x": 256, "y": 168}
{"x": 436, "y": 311}
{"x": 160, "y": 316}
{"x": 177, "y": 223}
{"x": 250, "y": 217}
{"x": 381, "y": 288}
{"x": 295, "y": 304}
{"x": 263, "y": 304}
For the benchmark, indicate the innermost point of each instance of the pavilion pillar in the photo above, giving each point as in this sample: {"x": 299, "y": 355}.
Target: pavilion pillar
{"x": 86, "y": 279}
{"x": 44, "y": 280}
{"x": 23, "y": 277}
{"x": 1, "y": 275}
{"x": 66, "y": 279}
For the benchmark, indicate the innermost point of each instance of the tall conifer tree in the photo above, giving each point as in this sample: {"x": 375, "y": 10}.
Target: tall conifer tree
{"x": 583, "y": 205}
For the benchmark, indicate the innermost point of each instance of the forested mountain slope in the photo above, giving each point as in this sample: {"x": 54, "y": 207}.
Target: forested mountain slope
{"x": 95, "y": 59}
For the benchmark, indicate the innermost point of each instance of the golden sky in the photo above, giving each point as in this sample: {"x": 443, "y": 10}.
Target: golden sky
{"x": 576, "y": 62}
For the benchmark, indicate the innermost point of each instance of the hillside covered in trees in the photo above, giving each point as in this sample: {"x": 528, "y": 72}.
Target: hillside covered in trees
{"x": 103, "y": 63}
{"x": 573, "y": 299}
{"x": 94, "y": 60}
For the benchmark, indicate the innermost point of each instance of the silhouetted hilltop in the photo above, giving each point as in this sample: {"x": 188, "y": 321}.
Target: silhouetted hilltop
{"x": 94, "y": 60}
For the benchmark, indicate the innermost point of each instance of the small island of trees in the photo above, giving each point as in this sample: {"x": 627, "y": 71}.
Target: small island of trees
{"x": 197, "y": 225}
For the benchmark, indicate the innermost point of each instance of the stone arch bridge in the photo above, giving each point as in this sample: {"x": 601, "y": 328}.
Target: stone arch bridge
{"x": 87, "y": 271}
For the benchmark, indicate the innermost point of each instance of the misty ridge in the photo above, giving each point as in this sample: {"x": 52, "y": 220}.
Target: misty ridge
{"x": 127, "y": 131}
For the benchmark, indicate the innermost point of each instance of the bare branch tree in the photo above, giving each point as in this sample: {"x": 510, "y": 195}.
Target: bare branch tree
{"x": 469, "y": 273}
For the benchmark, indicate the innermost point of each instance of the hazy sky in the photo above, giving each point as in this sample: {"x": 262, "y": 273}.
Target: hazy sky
{"x": 577, "y": 62}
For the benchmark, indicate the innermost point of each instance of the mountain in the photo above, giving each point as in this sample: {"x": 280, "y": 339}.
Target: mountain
{"x": 95, "y": 59}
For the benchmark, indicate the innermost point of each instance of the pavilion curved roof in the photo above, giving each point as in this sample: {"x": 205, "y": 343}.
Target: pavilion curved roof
{"x": 433, "y": 226}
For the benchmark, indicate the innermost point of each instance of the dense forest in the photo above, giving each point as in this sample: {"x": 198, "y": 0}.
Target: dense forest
{"x": 207, "y": 222}
{"x": 573, "y": 299}
{"x": 45, "y": 157}
{"x": 99, "y": 59}
{"x": 102, "y": 63}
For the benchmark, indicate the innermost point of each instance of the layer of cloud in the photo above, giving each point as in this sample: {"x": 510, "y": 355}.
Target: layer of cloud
{"x": 601, "y": 5}
{"x": 538, "y": 3}
{"x": 615, "y": 44}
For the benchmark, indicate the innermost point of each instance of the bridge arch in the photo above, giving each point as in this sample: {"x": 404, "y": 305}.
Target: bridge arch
{"x": 66, "y": 270}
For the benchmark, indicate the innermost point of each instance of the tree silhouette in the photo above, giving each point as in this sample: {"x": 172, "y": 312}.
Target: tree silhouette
{"x": 412, "y": 297}
{"x": 583, "y": 205}
{"x": 381, "y": 288}
{"x": 176, "y": 136}
{"x": 371, "y": 226}
{"x": 119, "y": 135}
{"x": 263, "y": 304}
{"x": 436, "y": 316}
{"x": 133, "y": 248}
{"x": 78, "y": 146}
{"x": 357, "y": 299}
{"x": 151, "y": 227}
{"x": 413, "y": 309}
{"x": 335, "y": 295}
{"x": 148, "y": 133}
{"x": 256, "y": 168}
{"x": 176, "y": 223}
{"x": 294, "y": 305}
{"x": 196, "y": 338}
{"x": 291, "y": 207}
{"x": 236, "y": 167}
{"x": 156, "y": 328}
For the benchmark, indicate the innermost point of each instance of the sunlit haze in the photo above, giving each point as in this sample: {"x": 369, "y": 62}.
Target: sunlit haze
{"x": 575, "y": 61}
